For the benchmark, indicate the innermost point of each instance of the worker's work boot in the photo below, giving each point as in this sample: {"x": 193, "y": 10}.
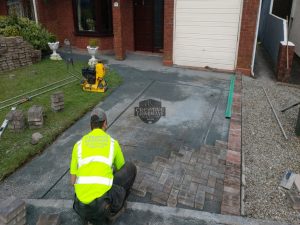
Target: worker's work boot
{"x": 114, "y": 217}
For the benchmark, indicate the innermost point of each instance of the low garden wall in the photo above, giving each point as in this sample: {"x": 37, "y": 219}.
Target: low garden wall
{"x": 16, "y": 52}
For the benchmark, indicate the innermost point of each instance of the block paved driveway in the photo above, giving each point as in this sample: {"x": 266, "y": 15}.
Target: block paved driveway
{"x": 180, "y": 158}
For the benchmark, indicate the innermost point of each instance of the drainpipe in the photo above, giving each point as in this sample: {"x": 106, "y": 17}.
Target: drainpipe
{"x": 35, "y": 11}
{"x": 255, "y": 40}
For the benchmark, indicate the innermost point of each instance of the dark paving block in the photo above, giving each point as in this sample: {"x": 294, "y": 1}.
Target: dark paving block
{"x": 160, "y": 197}
{"x": 205, "y": 174}
{"x": 185, "y": 198}
{"x": 173, "y": 198}
{"x": 212, "y": 206}
{"x": 221, "y": 144}
{"x": 211, "y": 181}
{"x": 49, "y": 219}
{"x": 193, "y": 188}
{"x": 168, "y": 185}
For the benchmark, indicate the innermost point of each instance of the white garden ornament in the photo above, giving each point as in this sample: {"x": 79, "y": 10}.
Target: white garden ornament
{"x": 92, "y": 51}
{"x": 54, "y": 46}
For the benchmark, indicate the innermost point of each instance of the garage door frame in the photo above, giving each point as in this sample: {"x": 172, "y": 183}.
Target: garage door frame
{"x": 237, "y": 42}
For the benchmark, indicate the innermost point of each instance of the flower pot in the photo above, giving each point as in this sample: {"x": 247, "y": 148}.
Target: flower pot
{"x": 92, "y": 51}
{"x": 54, "y": 46}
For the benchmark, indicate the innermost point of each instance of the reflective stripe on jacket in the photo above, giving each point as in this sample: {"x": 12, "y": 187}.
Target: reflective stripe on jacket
{"x": 101, "y": 159}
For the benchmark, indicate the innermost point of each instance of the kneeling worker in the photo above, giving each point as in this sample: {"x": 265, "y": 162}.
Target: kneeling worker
{"x": 100, "y": 192}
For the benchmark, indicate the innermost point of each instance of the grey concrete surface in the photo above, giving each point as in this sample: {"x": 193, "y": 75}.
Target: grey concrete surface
{"x": 195, "y": 103}
{"x": 145, "y": 62}
{"x": 140, "y": 214}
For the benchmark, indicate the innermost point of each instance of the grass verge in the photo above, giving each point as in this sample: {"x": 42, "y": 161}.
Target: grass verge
{"x": 15, "y": 148}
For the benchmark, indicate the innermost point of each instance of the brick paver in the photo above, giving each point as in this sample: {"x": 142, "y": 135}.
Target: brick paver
{"x": 190, "y": 177}
{"x": 231, "y": 203}
{"x": 12, "y": 211}
{"x": 49, "y": 219}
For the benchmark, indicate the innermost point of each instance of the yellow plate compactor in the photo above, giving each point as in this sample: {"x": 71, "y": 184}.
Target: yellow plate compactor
{"x": 94, "y": 78}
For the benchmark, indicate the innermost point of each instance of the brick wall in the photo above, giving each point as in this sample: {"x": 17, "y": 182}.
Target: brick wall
{"x": 128, "y": 25}
{"x": 15, "y": 52}
{"x": 118, "y": 31}
{"x": 45, "y": 11}
{"x": 58, "y": 18}
{"x": 168, "y": 32}
{"x": 247, "y": 36}
{"x": 3, "y": 8}
{"x": 282, "y": 73}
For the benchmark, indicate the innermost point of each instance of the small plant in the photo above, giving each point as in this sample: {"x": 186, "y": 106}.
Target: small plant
{"x": 93, "y": 43}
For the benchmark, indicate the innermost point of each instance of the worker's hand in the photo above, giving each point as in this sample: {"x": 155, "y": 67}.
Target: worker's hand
{"x": 73, "y": 179}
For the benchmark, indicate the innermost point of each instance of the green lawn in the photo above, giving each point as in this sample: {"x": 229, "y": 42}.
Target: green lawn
{"x": 15, "y": 148}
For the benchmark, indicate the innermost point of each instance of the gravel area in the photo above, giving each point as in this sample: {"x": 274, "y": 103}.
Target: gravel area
{"x": 266, "y": 152}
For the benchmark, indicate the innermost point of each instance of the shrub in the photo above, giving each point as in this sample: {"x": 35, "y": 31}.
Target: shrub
{"x": 34, "y": 33}
{"x": 9, "y": 31}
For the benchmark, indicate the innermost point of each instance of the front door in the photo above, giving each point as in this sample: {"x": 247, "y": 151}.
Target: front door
{"x": 148, "y": 25}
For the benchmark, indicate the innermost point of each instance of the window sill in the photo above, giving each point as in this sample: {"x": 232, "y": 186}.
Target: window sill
{"x": 91, "y": 34}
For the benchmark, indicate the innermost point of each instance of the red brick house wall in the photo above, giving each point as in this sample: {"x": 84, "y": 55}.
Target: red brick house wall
{"x": 118, "y": 32}
{"x": 58, "y": 18}
{"x": 168, "y": 32}
{"x": 247, "y": 36}
{"x": 3, "y": 8}
{"x": 123, "y": 25}
{"x": 128, "y": 31}
{"x": 44, "y": 11}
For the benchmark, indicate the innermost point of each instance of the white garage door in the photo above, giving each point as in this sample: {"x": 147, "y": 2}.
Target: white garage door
{"x": 206, "y": 33}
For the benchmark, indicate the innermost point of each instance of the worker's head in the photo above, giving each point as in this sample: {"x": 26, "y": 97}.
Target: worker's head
{"x": 98, "y": 119}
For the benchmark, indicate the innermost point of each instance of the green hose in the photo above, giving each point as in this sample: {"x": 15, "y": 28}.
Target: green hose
{"x": 230, "y": 98}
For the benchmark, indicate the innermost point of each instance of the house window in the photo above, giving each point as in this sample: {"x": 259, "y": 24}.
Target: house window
{"x": 93, "y": 17}
{"x": 15, "y": 8}
{"x": 282, "y": 8}
{"x": 21, "y": 8}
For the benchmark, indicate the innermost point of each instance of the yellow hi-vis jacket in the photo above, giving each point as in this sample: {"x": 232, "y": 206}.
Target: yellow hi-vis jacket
{"x": 92, "y": 160}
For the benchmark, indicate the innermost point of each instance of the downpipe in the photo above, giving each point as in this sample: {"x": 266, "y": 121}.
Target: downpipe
{"x": 255, "y": 39}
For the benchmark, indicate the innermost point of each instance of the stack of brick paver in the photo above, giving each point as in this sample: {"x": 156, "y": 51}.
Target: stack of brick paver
{"x": 16, "y": 52}
{"x": 57, "y": 101}
{"x": 16, "y": 120}
{"x": 12, "y": 211}
{"x": 49, "y": 219}
{"x": 35, "y": 117}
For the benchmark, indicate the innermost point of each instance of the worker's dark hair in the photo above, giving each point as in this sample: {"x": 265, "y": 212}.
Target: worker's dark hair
{"x": 96, "y": 123}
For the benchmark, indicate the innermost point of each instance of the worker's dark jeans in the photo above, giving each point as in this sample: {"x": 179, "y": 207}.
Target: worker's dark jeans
{"x": 111, "y": 202}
